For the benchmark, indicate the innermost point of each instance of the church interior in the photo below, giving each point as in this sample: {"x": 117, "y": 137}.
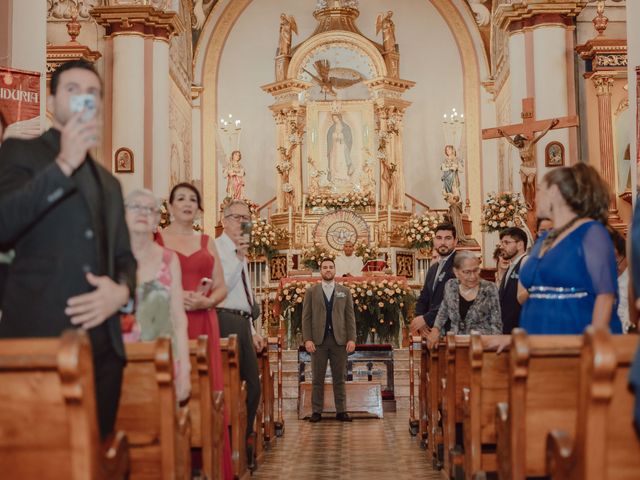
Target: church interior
{"x": 352, "y": 128}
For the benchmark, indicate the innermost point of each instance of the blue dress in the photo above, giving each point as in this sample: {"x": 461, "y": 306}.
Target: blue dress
{"x": 564, "y": 283}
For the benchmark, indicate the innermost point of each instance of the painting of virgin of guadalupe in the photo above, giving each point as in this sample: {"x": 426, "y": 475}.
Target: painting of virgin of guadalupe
{"x": 340, "y": 144}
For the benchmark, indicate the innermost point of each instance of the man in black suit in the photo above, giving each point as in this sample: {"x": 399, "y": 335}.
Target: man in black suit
{"x": 64, "y": 215}
{"x": 513, "y": 243}
{"x": 444, "y": 242}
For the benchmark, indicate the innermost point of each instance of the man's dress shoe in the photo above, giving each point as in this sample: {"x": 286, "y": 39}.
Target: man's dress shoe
{"x": 343, "y": 417}
{"x": 315, "y": 417}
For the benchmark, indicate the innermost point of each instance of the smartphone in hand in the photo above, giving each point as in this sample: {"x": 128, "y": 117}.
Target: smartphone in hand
{"x": 85, "y": 104}
{"x": 204, "y": 286}
{"x": 246, "y": 230}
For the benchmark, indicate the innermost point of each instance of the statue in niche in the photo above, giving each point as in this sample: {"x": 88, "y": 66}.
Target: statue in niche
{"x": 388, "y": 28}
{"x": 450, "y": 172}
{"x": 288, "y": 27}
{"x": 527, "y": 152}
{"x": 455, "y": 215}
{"x": 235, "y": 176}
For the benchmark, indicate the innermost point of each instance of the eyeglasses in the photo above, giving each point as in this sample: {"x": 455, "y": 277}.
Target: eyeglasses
{"x": 467, "y": 273}
{"x": 239, "y": 218}
{"x": 134, "y": 207}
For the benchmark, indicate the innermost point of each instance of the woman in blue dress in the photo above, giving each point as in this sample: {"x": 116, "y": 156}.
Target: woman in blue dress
{"x": 570, "y": 278}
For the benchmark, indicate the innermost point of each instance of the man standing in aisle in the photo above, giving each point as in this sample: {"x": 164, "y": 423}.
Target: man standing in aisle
{"x": 348, "y": 264}
{"x": 238, "y": 311}
{"x": 63, "y": 214}
{"x": 444, "y": 243}
{"x": 329, "y": 333}
{"x": 513, "y": 243}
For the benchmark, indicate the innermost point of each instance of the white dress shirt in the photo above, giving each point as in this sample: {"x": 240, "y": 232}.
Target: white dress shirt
{"x": 513, "y": 264}
{"x": 352, "y": 265}
{"x": 623, "y": 300}
{"x": 232, "y": 267}
{"x": 328, "y": 288}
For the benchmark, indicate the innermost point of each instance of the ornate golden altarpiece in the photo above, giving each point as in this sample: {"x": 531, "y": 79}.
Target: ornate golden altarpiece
{"x": 339, "y": 111}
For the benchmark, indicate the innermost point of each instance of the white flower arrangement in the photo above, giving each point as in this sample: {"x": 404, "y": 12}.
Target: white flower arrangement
{"x": 501, "y": 210}
{"x": 419, "y": 230}
{"x": 351, "y": 200}
{"x": 313, "y": 255}
{"x": 367, "y": 251}
{"x": 264, "y": 238}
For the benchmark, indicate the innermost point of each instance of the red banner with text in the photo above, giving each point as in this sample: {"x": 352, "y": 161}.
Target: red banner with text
{"x": 19, "y": 96}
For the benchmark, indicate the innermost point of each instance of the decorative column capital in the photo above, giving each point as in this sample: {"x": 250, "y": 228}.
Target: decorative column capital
{"x": 520, "y": 14}
{"x": 142, "y": 19}
{"x": 603, "y": 84}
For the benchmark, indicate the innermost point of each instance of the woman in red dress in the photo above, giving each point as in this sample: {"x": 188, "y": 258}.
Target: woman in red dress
{"x": 202, "y": 282}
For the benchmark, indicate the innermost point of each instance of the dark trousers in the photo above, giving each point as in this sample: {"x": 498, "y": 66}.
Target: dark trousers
{"x": 108, "y": 368}
{"x": 239, "y": 325}
{"x": 337, "y": 357}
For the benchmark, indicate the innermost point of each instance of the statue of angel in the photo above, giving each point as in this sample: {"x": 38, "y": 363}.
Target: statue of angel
{"x": 388, "y": 28}
{"x": 288, "y": 26}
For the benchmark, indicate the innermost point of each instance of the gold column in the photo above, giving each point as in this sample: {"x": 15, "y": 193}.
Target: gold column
{"x": 603, "y": 86}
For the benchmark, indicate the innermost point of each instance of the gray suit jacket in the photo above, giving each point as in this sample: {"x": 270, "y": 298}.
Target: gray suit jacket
{"x": 314, "y": 315}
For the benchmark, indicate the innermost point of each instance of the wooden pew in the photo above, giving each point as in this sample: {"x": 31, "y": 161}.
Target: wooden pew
{"x": 48, "y": 420}
{"x": 423, "y": 393}
{"x": 414, "y": 420}
{"x": 455, "y": 379}
{"x": 235, "y": 391}
{"x": 543, "y": 392}
{"x": 604, "y": 445}
{"x": 268, "y": 396}
{"x": 276, "y": 345}
{"x": 207, "y": 424}
{"x": 488, "y": 386}
{"x": 158, "y": 430}
{"x": 434, "y": 402}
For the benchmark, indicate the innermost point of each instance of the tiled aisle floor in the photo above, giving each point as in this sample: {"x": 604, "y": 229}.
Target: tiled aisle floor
{"x": 367, "y": 449}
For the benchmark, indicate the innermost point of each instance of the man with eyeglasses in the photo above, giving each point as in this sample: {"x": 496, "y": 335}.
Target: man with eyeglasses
{"x": 238, "y": 311}
{"x": 513, "y": 244}
{"x": 64, "y": 215}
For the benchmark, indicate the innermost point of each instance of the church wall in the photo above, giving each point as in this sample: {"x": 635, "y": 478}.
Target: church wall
{"x": 429, "y": 56}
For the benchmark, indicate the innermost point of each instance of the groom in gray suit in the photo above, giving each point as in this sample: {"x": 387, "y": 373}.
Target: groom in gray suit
{"x": 329, "y": 333}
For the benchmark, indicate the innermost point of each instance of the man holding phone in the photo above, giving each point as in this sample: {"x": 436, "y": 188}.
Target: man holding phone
{"x": 239, "y": 310}
{"x": 63, "y": 214}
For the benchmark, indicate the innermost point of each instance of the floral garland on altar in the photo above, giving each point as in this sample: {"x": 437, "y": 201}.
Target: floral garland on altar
{"x": 419, "y": 230}
{"x": 351, "y": 200}
{"x": 502, "y": 210}
{"x": 367, "y": 251}
{"x": 313, "y": 255}
{"x": 265, "y": 237}
{"x": 381, "y": 307}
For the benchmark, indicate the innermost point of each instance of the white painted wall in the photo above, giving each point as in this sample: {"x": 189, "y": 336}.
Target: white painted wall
{"x": 429, "y": 56}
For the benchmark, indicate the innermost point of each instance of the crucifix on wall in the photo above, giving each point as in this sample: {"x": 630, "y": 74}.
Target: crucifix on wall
{"x": 525, "y": 138}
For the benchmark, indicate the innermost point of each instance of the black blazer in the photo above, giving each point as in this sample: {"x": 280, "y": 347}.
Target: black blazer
{"x": 46, "y": 219}
{"x": 430, "y": 295}
{"x": 509, "y": 306}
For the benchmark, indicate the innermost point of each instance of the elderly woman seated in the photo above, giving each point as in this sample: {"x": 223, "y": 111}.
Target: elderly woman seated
{"x": 469, "y": 303}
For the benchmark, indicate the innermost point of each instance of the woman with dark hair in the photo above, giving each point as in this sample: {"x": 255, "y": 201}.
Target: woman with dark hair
{"x": 202, "y": 281}
{"x": 570, "y": 278}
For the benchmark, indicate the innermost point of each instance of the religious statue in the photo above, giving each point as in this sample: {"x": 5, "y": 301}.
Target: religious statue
{"x": 339, "y": 143}
{"x": 288, "y": 26}
{"x": 450, "y": 172}
{"x": 367, "y": 180}
{"x": 388, "y": 173}
{"x": 235, "y": 176}
{"x": 527, "y": 152}
{"x": 386, "y": 25}
{"x": 455, "y": 214}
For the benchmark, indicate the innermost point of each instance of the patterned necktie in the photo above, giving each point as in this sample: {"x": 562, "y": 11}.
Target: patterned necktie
{"x": 246, "y": 288}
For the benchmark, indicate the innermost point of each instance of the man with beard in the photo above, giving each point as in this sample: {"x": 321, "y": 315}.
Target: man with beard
{"x": 444, "y": 242}
{"x": 329, "y": 333}
{"x": 513, "y": 243}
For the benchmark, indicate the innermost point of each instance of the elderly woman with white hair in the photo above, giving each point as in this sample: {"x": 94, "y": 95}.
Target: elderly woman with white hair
{"x": 159, "y": 303}
{"x": 469, "y": 303}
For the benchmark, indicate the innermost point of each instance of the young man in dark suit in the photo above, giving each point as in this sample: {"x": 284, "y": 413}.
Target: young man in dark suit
{"x": 444, "y": 242}
{"x": 513, "y": 244}
{"x": 63, "y": 214}
{"x": 329, "y": 333}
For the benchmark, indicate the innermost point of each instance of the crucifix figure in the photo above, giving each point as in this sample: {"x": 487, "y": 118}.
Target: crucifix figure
{"x": 525, "y": 139}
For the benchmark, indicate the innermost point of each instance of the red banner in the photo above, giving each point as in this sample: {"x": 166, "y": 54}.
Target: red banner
{"x": 19, "y": 95}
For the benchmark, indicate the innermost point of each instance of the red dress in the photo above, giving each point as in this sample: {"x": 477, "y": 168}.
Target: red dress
{"x": 205, "y": 322}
